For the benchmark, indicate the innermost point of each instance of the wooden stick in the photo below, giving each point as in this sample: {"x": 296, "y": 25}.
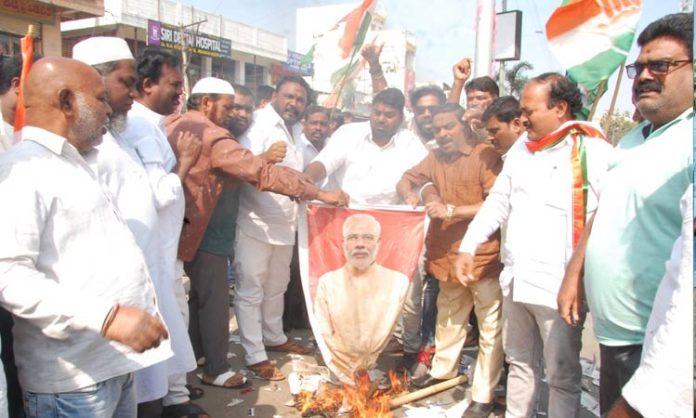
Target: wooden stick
{"x": 601, "y": 86}
{"x": 425, "y": 392}
{"x": 610, "y": 112}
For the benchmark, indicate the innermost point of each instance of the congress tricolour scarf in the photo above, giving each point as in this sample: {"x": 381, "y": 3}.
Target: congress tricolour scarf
{"x": 580, "y": 132}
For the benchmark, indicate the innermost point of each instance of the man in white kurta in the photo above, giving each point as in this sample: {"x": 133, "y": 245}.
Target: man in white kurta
{"x": 70, "y": 289}
{"x": 356, "y": 306}
{"x": 123, "y": 173}
{"x": 266, "y": 225}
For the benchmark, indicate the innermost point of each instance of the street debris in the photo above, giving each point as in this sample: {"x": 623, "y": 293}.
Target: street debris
{"x": 235, "y": 402}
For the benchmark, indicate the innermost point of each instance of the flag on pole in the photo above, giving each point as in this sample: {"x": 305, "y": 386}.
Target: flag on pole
{"x": 336, "y": 54}
{"x": 27, "y": 46}
{"x": 354, "y": 28}
{"x": 591, "y": 39}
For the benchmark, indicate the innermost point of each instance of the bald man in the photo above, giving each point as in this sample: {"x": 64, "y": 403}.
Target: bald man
{"x": 357, "y": 305}
{"x": 77, "y": 284}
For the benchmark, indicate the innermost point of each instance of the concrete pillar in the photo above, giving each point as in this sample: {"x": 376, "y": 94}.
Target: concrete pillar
{"x": 51, "y": 40}
{"x": 239, "y": 72}
{"x": 206, "y": 66}
{"x": 485, "y": 20}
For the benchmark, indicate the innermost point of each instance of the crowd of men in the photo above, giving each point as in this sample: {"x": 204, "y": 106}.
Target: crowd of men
{"x": 114, "y": 192}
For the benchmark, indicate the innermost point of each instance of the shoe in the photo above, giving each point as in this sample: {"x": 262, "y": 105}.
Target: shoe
{"x": 478, "y": 410}
{"x": 266, "y": 370}
{"x": 425, "y": 381}
{"x": 290, "y": 347}
{"x": 419, "y": 370}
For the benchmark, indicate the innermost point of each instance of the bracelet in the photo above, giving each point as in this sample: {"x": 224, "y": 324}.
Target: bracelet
{"x": 450, "y": 212}
{"x": 109, "y": 319}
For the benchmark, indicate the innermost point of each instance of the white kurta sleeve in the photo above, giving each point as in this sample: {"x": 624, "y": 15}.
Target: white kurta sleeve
{"x": 166, "y": 186}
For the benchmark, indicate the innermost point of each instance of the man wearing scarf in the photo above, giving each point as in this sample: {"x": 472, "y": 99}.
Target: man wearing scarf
{"x": 544, "y": 194}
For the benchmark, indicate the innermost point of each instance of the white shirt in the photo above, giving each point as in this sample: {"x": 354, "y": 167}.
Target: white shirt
{"x": 662, "y": 385}
{"x": 66, "y": 260}
{"x": 122, "y": 173}
{"x": 308, "y": 150}
{"x": 265, "y": 216}
{"x": 533, "y": 195}
{"x": 7, "y": 135}
{"x": 367, "y": 172}
{"x": 145, "y": 133}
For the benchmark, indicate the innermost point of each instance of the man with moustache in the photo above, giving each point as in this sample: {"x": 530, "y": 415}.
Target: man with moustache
{"x": 357, "y": 304}
{"x": 454, "y": 180}
{"x": 543, "y": 195}
{"x": 621, "y": 259}
{"x": 85, "y": 308}
{"x": 122, "y": 172}
{"x": 367, "y": 159}
{"x": 208, "y": 298}
{"x": 315, "y": 131}
{"x": 224, "y": 163}
{"x": 423, "y": 101}
{"x": 480, "y": 92}
{"x": 503, "y": 123}
{"x": 159, "y": 85}
{"x": 420, "y": 310}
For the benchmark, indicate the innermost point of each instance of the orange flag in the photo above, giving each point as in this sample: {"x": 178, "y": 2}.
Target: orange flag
{"x": 27, "y": 45}
{"x": 352, "y": 21}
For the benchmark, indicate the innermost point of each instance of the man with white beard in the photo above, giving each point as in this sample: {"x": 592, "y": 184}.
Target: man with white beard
{"x": 357, "y": 305}
{"x": 122, "y": 172}
{"x": 84, "y": 306}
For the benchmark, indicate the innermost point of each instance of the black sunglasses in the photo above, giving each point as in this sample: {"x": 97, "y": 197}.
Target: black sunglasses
{"x": 658, "y": 67}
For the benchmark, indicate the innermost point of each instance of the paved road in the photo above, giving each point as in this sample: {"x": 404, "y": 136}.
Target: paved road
{"x": 268, "y": 399}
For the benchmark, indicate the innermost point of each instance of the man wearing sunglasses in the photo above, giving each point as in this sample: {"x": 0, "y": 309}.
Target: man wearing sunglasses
{"x": 625, "y": 247}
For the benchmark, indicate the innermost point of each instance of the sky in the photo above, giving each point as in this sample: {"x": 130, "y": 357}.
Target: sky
{"x": 444, "y": 31}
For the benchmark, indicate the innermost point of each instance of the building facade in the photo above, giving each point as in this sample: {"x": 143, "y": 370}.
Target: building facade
{"x": 46, "y": 16}
{"x": 217, "y": 46}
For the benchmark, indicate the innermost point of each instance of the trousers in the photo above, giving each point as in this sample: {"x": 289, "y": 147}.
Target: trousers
{"x": 454, "y": 305}
{"x": 532, "y": 333}
{"x": 263, "y": 273}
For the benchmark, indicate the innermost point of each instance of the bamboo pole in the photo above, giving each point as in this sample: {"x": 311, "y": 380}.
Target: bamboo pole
{"x": 425, "y": 392}
{"x": 614, "y": 96}
{"x": 602, "y": 85}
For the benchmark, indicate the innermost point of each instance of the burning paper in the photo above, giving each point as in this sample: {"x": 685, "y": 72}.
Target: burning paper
{"x": 356, "y": 266}
{"x": 363, "y": 400}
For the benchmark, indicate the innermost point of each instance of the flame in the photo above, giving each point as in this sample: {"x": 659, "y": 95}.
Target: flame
{"x": 364, "y": 400}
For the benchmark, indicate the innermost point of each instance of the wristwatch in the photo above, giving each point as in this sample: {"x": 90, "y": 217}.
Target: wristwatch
{"x": 450, "y": 212}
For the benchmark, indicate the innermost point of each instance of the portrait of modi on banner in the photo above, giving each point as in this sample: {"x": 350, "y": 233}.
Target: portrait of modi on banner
{"x": 356, "y": 267}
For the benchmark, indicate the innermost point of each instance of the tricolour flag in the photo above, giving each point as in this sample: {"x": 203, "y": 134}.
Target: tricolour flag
{"x": 336, "y": 53}
{"x": 591, "y": 39}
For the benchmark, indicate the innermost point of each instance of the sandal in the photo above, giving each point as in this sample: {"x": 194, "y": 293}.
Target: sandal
{"x": 183, "y": 410}
{"x": 195, "y": 392}
{"x": 266, "y": 371}
{"x": 227, "y": 380}
{"x": 290, "y": 347}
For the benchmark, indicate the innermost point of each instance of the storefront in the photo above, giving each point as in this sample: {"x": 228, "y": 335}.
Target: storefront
{"x": 203, "y": 50}
{"x": 293, "y": 66}
{"x": 217, "y": 46}
{"x": 46, "y": 17}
